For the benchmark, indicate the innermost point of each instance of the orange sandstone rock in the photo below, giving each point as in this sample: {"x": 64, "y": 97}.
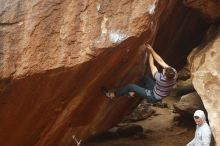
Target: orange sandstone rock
{"x": 55, "y": 55}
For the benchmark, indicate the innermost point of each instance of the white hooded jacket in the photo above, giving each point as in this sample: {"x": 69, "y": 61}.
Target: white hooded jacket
{"x": 203, "y": 132}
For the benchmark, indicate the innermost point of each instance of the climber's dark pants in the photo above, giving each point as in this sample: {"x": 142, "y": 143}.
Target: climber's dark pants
{"x": 143, "y": 89}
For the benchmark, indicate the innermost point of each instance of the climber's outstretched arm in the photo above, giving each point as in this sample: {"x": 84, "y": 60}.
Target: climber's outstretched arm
{"x": 157, "y": 57}
{"x": 153, "y": 68}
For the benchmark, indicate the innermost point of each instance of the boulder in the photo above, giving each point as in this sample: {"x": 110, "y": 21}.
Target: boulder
{"x": 205, "y": 69}
{"x": 184, "y": 73}
{"x": 55, "y": 55}
{"x": 182, "y": 87}
{"x": 129, "y": 130}
{"x": 188, "y": 104}
{"x": 141, "y": 112}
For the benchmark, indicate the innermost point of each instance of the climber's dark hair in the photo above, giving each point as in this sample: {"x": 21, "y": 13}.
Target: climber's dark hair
{"x": 169, "y": 72}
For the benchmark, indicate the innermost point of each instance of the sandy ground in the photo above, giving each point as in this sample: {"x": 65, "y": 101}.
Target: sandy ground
{"x": 159, "y": 130}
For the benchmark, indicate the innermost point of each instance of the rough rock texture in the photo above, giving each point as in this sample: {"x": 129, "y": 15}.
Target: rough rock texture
{"x": 55, "y": 55}
{"x": 130, "y": 129}
{"x": 208, "y": 8}
{"x": 188, "y": 104}
{"x": 182, "y": 87}
{"x": 206, "y": 77}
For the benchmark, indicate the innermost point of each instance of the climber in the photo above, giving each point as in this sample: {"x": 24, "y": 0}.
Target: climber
{"x": 153, "y": 91}
{"x": 203, "y": 132}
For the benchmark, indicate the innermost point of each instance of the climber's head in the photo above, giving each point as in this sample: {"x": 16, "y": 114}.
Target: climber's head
{"x": 169, "y": 72}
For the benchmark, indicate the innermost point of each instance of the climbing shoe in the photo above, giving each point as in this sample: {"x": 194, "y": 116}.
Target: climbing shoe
{"x": 108, "y": 94}
{"x": 105, "y": 91}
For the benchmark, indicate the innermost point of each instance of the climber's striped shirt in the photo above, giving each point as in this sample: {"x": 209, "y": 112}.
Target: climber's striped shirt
{"x": 163, "y": 86}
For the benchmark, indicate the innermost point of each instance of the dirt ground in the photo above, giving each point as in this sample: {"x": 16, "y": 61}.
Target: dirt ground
{"x": 159, "y": 130}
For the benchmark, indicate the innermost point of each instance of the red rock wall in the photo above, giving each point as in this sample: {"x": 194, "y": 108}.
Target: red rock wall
{"x": 209, "y": 9}
{"x": 55, "y": 56}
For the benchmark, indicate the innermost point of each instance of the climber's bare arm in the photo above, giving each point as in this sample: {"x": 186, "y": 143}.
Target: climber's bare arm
{"x": 156, "y": 56}
{"x": 153, "y": 68}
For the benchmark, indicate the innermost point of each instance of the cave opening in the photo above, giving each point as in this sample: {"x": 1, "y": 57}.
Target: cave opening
{"x": 179, "y": 34}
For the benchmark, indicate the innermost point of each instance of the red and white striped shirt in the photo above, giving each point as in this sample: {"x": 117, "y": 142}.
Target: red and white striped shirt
{"x": 163, "y": 86}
